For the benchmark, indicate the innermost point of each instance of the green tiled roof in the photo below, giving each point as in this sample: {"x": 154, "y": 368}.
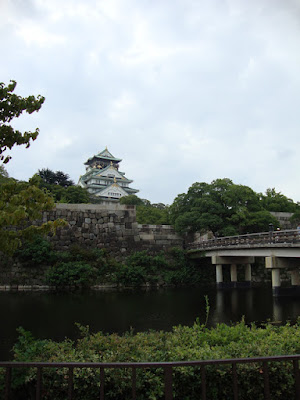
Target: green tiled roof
{"x": 103, "y": 155}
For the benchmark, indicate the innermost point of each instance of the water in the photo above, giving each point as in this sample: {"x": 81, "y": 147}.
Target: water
{"x": 53, "y": 315}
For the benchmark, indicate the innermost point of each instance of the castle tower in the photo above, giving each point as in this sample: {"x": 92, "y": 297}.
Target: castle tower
{"x": 103, "y": 178}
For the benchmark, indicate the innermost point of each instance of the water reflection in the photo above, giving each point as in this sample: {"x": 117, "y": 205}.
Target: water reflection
{"x": 53, "y": 315}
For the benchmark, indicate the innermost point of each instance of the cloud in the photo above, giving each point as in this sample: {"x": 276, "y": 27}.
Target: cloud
{"x": 182, "y": 91}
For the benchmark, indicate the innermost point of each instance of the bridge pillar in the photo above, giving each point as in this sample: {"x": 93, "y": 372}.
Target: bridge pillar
{"x": 219, "y": 275}
{"x": 233, "y": 274}
{"x": 276, "y": 282}
{"x": 295, "y": 277}
{"x": 248, "y": 276}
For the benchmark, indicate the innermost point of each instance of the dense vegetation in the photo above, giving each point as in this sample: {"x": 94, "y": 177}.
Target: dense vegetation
{"x": 147, "y": 213}
{"x": 221, "y": 207}
{"x": 227, "y": 209}
{"x": 183, "y": 343}
{"x": 80, "y": 267}
{"x": 20, "y": 202}
{"x": 60, "y": 187}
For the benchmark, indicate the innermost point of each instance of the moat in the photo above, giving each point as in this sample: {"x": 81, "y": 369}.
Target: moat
{"x": 53, "y": 315}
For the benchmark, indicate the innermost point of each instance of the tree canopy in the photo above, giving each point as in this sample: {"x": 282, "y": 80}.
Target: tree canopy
{"x": 12, "y": 106}
{"x": 55, "y": 178}
{"x": 21, "y": 203}
{"x": 60, "y": 187}
{"x": 277, "y": 202}
{"x": 221, "y": 207}
{"x": 147, "y": 213}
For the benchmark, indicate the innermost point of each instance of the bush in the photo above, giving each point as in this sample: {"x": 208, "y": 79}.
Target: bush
{"x": 36, "y": 252}
{"x": 183, "y": 343}
{"x": 76, "y": 274}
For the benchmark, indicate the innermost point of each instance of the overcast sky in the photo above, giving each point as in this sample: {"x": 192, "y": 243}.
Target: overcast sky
{"x": 183, "y": 91}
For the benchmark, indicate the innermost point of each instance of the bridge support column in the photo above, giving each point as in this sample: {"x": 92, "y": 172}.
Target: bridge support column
{"x": 276, "y": 282}
{"x": 248, "y": 276}
{"x": 295, "y": 277}
{"x": 219, "y": 275}
{"x": 233, "y": 274}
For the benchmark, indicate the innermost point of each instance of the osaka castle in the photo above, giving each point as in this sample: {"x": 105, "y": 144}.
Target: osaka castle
{"x": 103, "y": 178}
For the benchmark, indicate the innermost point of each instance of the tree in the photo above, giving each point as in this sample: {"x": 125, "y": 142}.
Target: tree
{"x": 221, "y": 207}
{"x": 147, "y": 213}
{"x": 277, "y": 202}
{"x": 152, "y": 215}
{"x": 295, "y": 218}
{"x": 21, "y": 203}
{"x": 131, "y": 199}
{"x": 3, "y": 174}
{"x": 60, "y": 193}
{"x": 11, "y": 106}
{"x": 55, "y": 178}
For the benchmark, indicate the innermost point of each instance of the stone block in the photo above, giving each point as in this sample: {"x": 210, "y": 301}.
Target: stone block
{"x": 128, "y": 232}
{"x": 87, "y": 220}
{"x": 148, "y": 236}
{"x": 162, "y": 242}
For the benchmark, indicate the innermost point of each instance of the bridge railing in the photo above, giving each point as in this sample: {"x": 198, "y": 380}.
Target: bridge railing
{"x": 262, "y": 365}
{"x": 250, "y": 239}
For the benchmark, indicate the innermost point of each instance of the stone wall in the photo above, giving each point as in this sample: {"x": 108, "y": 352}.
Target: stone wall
{"x": 284, "y": 219}
{"x": 112, "y": 227}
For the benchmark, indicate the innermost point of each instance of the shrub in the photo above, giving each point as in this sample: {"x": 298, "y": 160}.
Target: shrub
{"x": 75, "y": 273}
{"x": 36, "y": 251}
{"x": 183, "y": 343}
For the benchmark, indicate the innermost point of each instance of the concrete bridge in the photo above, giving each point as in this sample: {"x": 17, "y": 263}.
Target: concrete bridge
{"x": 281, "y": 250}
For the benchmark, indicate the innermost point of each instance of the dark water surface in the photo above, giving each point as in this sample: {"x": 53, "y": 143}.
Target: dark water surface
{"x": 53, "y": 315}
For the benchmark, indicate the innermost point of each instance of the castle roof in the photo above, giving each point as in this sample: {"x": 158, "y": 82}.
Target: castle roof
{"x": 103, "y": 155}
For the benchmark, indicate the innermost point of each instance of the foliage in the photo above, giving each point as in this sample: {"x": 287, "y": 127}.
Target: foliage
{"x": 221, "y": 207}
{"x": 182, "y": 343}
{"x": 36, "y": 252}
{"x": 55, "y": 178}
{"x": 171, "y": 267}
{"x": 277, "y": 202}
{"x": 76, "y": 274}
{"x": 62, "y": 193}
{"x": 22, "y": 203}
{"x": 295, "y": 218}
{"x": 131, "y": 199}
{"x": 147, "y": 213}
{"x": 152, "y": 215}
{"x": 12, "y": 106}
{"x": 3, "y": 174}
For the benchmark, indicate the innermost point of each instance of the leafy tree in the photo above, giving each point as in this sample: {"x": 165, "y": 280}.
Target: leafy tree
{"x": 47, "y": 176}
{"x": 131, "y": 199}
{"x": 152, "y": 215}
{"x": 60, "y": 187}
{"x": 147, "y": 213}
{"x": 75, "y": 195}
{"x": 3, "y": 174}
{"x": 221, "y": 207}
{"x": 20, "y": 202}
{"x": 11, "y": 106}
{"x": 56, "y": 178}
{"x": 277, "y": 202}
{"x": 295, "y": 218}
